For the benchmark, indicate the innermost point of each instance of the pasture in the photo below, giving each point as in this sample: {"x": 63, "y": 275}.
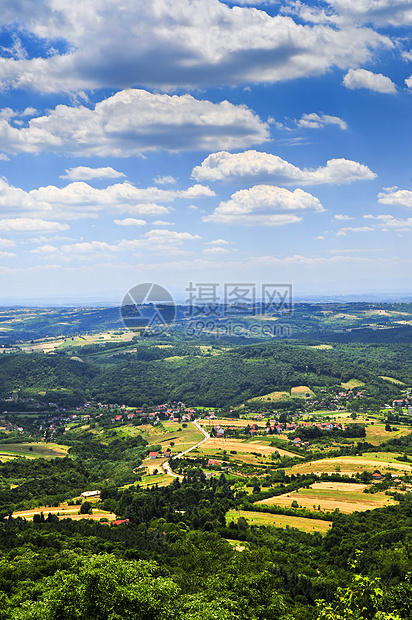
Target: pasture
{"x": 345, "y": 497}
{"x": 265, "y": 518}
{"x": 32, "y": 450}
{"x": 383, "y": 461}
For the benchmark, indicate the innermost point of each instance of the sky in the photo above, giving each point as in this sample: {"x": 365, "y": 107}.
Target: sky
{"x": 186, "y": 142}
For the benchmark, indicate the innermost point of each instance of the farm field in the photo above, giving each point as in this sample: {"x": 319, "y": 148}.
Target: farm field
{"x": 244, "y": 449}
{"x": 165, "y": 433}
{"x": 265, "y": 518}
{"x": 384, "y": 462}
{"x": 161, "y": 479}
{"x": 345, "y": 497}
{"x": 301, "y": 391}
{"x": 272, "y": 396}
{"x": 65, "y": 510}
{"x": 32, "y": 450}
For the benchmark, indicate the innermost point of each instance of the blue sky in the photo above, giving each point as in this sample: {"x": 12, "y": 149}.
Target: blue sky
{"x": 179, "y": 141}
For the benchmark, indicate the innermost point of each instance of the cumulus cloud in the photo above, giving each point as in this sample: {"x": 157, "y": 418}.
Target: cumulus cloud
{"x": 130, "y": 221}
{"x": 356, "y": 229}
{"x": 216, "y": 251}
{"x": 133, "y": 121}
{"x": 79, "y": 199}
{"x": 341, "y": 217}
{"x": 264, "y": 205}
{"x": 189, "y": 43}
{"x": 389, "y": 222}
{"x": 154, "y": 241}
{"x": 7, "y": 243}
{"x": 24, "y": 224}
{"x": 316, "y": 121}
{"x": 265, "y": 167}
{"x": 83, "y": 173}
{"x": 166, "y": 180}
{"x": 361, "y": 78}
{"x": 400, "y": 197}
{"x": 378, "y": 12}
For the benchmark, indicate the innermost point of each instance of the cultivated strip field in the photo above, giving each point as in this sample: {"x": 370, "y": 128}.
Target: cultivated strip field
{"x": 244, "y": 449}
{"x": 32, "y": 450}
{"x": 382, "y": 461}
{"x": 265, "y": 518}
{"x": 346, "y": 498}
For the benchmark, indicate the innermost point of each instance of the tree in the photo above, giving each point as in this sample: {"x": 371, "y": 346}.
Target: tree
{"x": 362, "y": 600}
{"x": 86, "y": 508}
{"x": 104, "y": 587}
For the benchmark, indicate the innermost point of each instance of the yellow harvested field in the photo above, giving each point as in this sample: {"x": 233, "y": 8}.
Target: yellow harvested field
{"x": 266, "y": 518}
{"x": 242, "y": 447}
{"x": 348, "y": 500}
{"x": 301, "y": 391}
{"x": 349, "y": 465}
{"x": 64, "y": 511}
{"x": 340, "y": 486}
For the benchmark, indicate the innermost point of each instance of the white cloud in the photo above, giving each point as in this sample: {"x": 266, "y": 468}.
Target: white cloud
{"x": 83, "y": 173}
{"x": 7, "y": 243}
{"x": 316, "y": 121}
{"x": 216, "y": 251}
{"x": 401, "y": 197}
{"x": 162, "y": 223}
{"x": 45, "y": 250}
{"x": 265, "y": 167}
{"x": 133, "y": 121}
{"x": 6, "y": 254}
{"x": 361, "y": 78}
{"x": 378, "y": 12}
{"x": 388, "y": 222}
{"x": 218, "y": 242}
{"x": 23, "y": 224}
{"x": 264, "y": 205}
{"x": 166, "y": 180}
{"x": 79, "y": 199}
{"x": 130, "y": 221}
{"x": 356, "y": 229}
{"x": 154, "y": 241}
{"x": 341, "y": 217}
{"x": 173, "y": 45}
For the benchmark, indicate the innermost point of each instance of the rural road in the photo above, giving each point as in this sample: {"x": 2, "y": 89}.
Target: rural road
{"x": 166, "y": 465}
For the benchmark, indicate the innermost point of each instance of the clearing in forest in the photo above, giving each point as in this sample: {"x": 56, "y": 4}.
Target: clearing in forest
{"x": 302, "y": 391}
{"x": 345, "y": 499}
{"x": 266, "y": 518}
{"x": 32, "y": 450}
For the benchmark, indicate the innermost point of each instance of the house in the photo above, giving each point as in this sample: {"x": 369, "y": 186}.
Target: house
{"x": 167, "y": 454}
{"x": 121, "y": 522}
{"x": 297, "y": 441}
{"x": 153, "y": 455}
{"x": 376, "y": 476}
{"x": 213, "y": 462}
{"x": 90, "y": 494}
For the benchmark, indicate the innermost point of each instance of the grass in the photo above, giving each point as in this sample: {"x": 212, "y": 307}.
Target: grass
{"x": 349, "y": 465}
{"x": 272, "y": 396}
{"x": 392, "y": 380}
{"x": 353, "y": 383}
{"x": 159, "y": 479}
{"x": 346, "y": 499}
{"x": 265, "y": 518}
{"x": 301, "y": 391}
{"x": 33, "y": 450}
